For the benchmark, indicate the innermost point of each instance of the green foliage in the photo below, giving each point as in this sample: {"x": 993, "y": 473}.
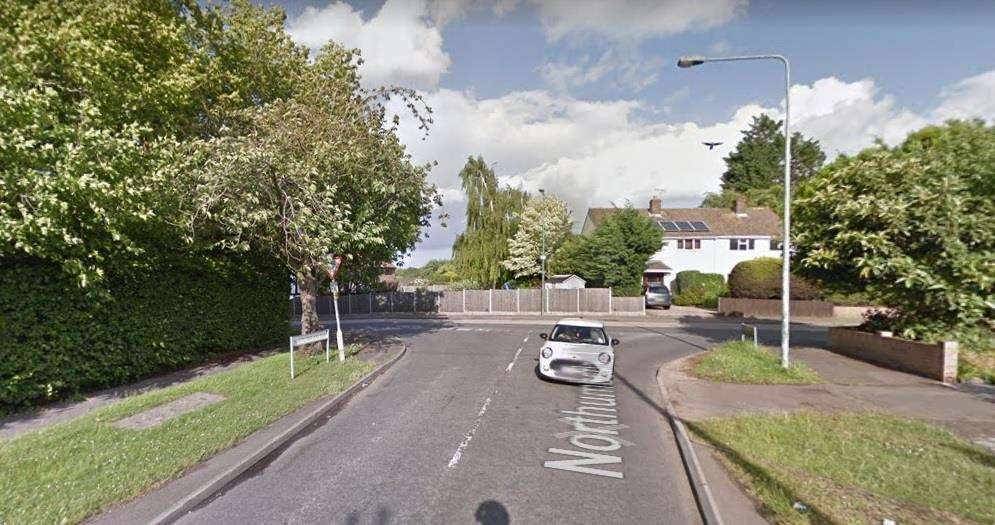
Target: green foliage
{"x": 694, "y": 288}
{"x": 761, "y": 279}
{"x": 93, "y": 94}
{"x": 914, "y": 225}
{"x": 742, "y": 362}
{"x": 57, "y": 340}
{"x": 436, "y": 271}
{"x": 755, "y": 170}
{"x": 492, "y": 217}
{"x": 64, "y": 458}
{"x": 545, "y": 223}
{"x": 614, "y": 254}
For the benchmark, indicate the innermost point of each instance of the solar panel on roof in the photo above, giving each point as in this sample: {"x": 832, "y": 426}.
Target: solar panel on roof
{"x": 684, "y": 226}
{"x": 699, "y": 226}
{"x": 669, "y": 226}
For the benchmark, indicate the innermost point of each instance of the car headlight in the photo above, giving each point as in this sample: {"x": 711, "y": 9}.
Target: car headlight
{"x": 604, "y": 358}
{"x": 547, "y": 352}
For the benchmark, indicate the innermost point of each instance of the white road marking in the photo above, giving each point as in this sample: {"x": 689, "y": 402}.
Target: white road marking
{"x": 513, "y": 359}
{"x": 469, "y": 435}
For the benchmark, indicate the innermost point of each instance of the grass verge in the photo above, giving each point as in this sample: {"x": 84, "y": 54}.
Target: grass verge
{"x": 69, "y": 471}
{"x": 855, "y": 468}
{"x": 741, "y": 362}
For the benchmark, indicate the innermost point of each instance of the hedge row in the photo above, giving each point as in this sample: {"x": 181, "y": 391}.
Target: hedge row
{"x": 57, "y": 339}
{"x": 694, "y": 288}
{"x": 761, "y": 279}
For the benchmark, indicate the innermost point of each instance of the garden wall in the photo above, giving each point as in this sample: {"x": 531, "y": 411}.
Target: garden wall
{"x": 772, "y": 307}
{"x": 933, "y": 360}
{"x": 57, "y": 339}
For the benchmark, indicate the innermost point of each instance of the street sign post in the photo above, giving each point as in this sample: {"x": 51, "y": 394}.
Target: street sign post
{"x": 333, "y": 271}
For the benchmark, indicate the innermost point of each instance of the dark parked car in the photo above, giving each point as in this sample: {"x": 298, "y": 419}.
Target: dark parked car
{"x": 658, "y": 296}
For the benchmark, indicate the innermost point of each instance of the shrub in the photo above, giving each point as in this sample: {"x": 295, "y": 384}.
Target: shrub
{"x": 761, "y": 279}
{"x": 57, "y": 339}
{"x": 694, "y": 288}
{"x": 628, "y": 290}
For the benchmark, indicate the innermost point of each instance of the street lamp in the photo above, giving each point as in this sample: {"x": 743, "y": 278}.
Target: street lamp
{"x": 542, "y": 261}
{"x": 697, "y": 60}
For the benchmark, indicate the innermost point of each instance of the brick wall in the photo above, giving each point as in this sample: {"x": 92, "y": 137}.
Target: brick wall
{"x": 933, "y": 360}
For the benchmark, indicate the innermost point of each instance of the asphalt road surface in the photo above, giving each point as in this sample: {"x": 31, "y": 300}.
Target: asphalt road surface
{"x": 462, "y": 430}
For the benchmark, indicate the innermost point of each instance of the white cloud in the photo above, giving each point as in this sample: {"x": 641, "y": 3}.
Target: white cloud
{"x": 591, "y": 153}
{"x": 624, "y": 66}
{"x": 401, "y": 44}
{"x": 970, "y": 98}
{"x": 633, "y": 19}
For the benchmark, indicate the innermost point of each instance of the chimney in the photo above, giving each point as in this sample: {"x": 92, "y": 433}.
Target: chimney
{"x": 739, "y": 206}
{"x": 656, "y": 205}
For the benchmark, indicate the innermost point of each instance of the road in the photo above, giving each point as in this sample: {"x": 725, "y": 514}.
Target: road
{"x": 461, "y": 430}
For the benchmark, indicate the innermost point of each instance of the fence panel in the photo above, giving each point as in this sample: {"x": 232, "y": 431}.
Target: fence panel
{"x": 528, "y": 299}
{"x": 477, "y": 301}
{"x": 427, "y": 302}
{"x": 381, "y": 303}
{"x": 504, "y": 301}
{"x": 562, "y": 300}
{"x": 451, "y": 301}
{"x": 595, "y": 300}
{"x": 628, "y": 305}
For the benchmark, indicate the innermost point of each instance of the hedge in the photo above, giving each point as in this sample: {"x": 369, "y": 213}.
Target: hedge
{"x": 694, "y": 288}
{"x": 57, "y": 340}
{"x": 761, "y": 279}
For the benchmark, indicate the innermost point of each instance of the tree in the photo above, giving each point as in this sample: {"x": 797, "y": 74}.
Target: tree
{"x": 492, "y": 216}
{"x": 615, "y": 253}
{"x": 755, "y": 169}
{"x": 913, "y": 224}
{"x": 95, "y": 94}
{"x": 544, "y": 218}
{"x": 320, "y": 172}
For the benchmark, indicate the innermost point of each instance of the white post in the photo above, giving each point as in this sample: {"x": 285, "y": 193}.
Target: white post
{"x": 291, "y": 358}
{"x": 518, "y": 300}
{"x": 490, "y": 300}
{"x": 786, "y": 255}
{"x": 609, "y": 299}
{"x": 338, "y": 326}
{"x": 578, "y": 300}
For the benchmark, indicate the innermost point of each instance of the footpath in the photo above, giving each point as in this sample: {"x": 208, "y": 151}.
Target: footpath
{"x": 967, "y": 411}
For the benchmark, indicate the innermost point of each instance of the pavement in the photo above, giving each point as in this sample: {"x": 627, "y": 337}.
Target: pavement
{"x": 462, "y": 430}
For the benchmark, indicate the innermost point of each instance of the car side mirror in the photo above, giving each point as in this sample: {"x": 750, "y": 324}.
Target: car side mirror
{"x": 615, "y": 342}
{"x": 543, "y": 336}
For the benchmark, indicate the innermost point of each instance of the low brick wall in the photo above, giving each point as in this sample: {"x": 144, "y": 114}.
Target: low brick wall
{"x": 933, "y": 360}
{"x": 772, "y": 307}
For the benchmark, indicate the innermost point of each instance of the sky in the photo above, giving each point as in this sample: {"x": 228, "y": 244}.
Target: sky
{"x": 584, "y": 99}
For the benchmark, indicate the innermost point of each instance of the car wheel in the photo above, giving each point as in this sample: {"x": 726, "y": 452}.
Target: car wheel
{"x": 666, "y": 307}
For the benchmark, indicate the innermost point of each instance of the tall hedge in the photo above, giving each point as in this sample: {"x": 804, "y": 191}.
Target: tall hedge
{"x": 694, "y": 288}
{"x": 761, "y": 279}
{"x": 57, "y": 339}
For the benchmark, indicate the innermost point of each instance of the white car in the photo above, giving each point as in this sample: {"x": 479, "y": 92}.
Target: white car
{"x": 578, "y": 351}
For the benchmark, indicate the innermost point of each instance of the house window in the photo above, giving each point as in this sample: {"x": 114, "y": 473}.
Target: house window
{"x": 688, "y": 244}
{"x": 741, "y": 244}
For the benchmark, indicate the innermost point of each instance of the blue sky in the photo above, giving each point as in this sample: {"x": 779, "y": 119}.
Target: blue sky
{"x": 584, "y": 100}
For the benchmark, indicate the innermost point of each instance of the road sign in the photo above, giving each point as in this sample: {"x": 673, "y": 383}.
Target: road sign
{"x": 332, "y": 265}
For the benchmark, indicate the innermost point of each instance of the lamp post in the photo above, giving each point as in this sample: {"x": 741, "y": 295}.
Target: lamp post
{"x": 542, "y": 261}
{"x": 691, "y": 61}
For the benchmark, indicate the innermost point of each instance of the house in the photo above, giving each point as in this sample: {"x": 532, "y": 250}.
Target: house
{"x": 565, "y": 281}
{"x": 710, "y": 240}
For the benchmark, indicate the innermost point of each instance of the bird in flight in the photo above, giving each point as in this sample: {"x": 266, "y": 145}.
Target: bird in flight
{"x": 711, "y": 145}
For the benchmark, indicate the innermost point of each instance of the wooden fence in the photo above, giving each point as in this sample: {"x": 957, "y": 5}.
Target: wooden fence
{"x": 519, "y": 301}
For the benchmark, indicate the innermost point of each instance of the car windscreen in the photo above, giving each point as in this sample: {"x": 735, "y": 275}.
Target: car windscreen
{"x": 658, "y": 289}
{"x": 579, "y": 334}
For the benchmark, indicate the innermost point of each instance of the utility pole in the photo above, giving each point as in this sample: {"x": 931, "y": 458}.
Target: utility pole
{"x": 692, "y": 61}
{"x": 542, "y": 260}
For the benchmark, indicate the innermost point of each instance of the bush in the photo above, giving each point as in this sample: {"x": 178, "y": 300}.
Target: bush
{"x": 761, "y": 279}
{"x": 694, "y": 288}
{"x": 57, "y": 339}
{"x": 628, "y": 290}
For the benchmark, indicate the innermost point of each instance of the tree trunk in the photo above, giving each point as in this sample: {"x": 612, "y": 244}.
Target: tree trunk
{"x": 307, "y": 287}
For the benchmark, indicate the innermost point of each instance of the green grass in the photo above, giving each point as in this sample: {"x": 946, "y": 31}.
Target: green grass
{"x": 855, "y": 468}
{"x": 69, "y": 471}
{"x": 741, "y": 362}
